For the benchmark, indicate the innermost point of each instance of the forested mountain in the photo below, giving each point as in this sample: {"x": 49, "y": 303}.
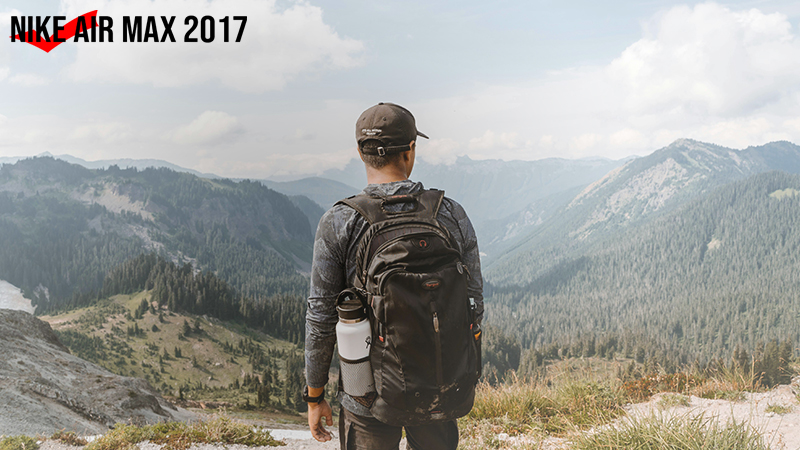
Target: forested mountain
{"x": 122, "y": 163}
{"x": 640, "y": 190}
{"x": 62, "y": 227}
{"x": 721, "y": 271}
{"x": 179, "y": 289}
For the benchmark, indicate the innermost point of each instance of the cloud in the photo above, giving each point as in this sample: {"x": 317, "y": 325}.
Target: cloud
{"x": 241, "y": 146}
{"x": 105, "y": 133}
{"x": 278, "y": 45}
{"x": 490, "y": 140}
{"x": 211, "y": 127}
{"x": 439, "y": 151}
{"x": 709, "y": 60}
{"x": 707, "y": 72}
{"x": 28, "y": 80}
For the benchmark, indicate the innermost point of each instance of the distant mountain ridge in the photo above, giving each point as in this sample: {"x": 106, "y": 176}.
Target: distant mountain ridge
{"x": 643, "y": 188}
{"x": 501, "y": 197}
{"x": 495, "y": 193}
{"x": 122, "y": 163}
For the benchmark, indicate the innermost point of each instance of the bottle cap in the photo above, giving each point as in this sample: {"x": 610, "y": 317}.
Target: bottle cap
{"x": 350, "y": 307}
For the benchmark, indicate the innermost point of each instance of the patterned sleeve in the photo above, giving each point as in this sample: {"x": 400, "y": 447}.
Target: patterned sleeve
{"x": 469, "y": 252}
{"x": 327, "y": 280}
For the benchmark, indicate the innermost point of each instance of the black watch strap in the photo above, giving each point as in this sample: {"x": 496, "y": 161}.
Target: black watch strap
{"x": 309, "y": 399}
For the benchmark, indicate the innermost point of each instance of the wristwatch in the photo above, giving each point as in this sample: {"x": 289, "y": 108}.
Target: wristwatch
{"x": 309, "y": 399}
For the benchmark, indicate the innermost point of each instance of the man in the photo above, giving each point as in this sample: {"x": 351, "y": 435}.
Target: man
{"x": 386, "y": 136}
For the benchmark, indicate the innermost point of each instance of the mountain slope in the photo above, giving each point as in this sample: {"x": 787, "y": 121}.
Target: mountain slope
{"x": 635, "y": 193}
{"x": 209, "y": 362}
{"x": 720, "y": 271}
{"x": 62, "y": 226}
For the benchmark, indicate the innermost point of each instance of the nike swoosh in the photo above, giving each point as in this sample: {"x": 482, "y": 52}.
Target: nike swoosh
{"x": 67, "y": 33}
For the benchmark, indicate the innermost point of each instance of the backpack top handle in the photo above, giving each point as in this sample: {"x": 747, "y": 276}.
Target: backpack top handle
{"x": 402, "y": 198}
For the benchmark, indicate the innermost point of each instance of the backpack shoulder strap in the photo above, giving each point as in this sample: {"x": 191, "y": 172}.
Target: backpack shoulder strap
{"x": 426, "y": 205}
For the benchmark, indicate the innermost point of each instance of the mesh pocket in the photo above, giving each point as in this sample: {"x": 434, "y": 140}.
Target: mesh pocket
{"x": 357, "y": 378}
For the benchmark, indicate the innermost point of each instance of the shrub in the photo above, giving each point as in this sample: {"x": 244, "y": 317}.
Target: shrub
{"x": 181, "y": 436}
{"x": 778, "y": 409}
{"x": 18, "y": 443}
{"x": 69, "y": 438}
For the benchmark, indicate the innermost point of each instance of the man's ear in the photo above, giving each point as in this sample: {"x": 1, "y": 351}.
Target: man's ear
{"x": 360, "y": 155}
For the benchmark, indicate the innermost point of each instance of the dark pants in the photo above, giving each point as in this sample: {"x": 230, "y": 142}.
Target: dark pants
{"x": 367, "y": 433}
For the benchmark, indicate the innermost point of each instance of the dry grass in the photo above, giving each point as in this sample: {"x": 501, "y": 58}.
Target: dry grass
{"x": 658, "y": 432}
{"x": 181, "y": 436}
{"x": 577, "y": 396}
{"x": 728, "y": 384}
{"x": 722, "y": 383}
{"x": 530, "y": 411}
{"x": 670, "y": 400}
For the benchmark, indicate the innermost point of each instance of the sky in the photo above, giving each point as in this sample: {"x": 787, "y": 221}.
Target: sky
{"x": 515, "y": 80}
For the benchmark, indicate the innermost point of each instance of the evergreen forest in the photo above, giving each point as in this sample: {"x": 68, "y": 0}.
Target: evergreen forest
{"x": 714, "y": 280}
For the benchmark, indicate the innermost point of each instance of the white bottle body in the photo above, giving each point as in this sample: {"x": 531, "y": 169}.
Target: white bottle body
{"x": 354, "y": 339}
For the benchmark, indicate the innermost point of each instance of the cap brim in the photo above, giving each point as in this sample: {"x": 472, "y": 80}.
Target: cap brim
{"x": 419, "y": 133}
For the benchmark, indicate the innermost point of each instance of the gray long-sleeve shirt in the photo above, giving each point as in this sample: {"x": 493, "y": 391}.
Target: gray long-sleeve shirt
{"x": 333, "y": 270}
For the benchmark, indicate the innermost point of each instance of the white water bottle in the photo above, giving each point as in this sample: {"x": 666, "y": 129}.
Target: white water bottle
{"x": 354, "y": 337}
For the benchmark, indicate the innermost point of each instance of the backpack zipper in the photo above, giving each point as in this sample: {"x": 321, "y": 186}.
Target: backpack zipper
{"x": 438, "y": 342}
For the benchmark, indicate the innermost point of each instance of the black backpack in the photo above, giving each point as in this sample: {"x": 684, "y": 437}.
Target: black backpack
{"x": 425, "y": 358}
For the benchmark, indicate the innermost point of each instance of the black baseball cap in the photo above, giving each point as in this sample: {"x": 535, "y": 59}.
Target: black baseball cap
{"x": 391, "y": 125}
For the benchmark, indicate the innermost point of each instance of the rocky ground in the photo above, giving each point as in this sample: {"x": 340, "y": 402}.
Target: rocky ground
{"x": 44, "y": 388}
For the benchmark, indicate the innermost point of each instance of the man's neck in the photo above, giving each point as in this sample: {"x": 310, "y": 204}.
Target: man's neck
{"x": 386, "y": 175}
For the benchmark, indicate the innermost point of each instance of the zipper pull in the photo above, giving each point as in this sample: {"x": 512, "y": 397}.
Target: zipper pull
{"x": 435, "y": 322}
